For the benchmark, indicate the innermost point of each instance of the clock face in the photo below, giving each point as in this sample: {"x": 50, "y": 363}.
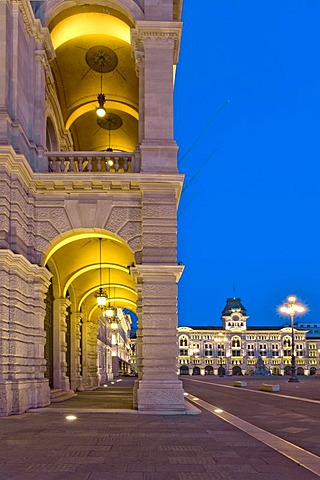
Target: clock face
{"x": 235, "y": 318}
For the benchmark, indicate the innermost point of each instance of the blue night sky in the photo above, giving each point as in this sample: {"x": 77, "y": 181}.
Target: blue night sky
{"x": 247, "y": 121}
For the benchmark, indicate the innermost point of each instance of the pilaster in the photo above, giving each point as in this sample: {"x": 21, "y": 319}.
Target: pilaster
{"x": 60, "y": 378}
{"x": 156, "y": 46}
{"x": 76, "y": 382}
{"x": 90, "y": 367}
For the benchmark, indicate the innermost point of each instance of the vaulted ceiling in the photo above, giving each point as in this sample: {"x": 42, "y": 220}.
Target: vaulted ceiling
{"x": 93, "y": 56}
{"x": 77, "y": 272}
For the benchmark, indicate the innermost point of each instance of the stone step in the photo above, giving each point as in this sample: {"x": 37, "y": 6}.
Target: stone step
{"x": 58, "y": 395}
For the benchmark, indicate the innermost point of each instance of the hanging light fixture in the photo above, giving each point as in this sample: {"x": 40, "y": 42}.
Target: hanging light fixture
{"x": 114, "y": 321}
{"x": 101, "y": 295}
{"x": 101, "y": 111}
{"x": 109, "y": 122}
{"x": 109, "y": 310}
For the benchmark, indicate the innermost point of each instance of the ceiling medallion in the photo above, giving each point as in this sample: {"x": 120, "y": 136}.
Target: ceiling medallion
{"x": 101, "y": 59}
{"x": 110, "y": 122}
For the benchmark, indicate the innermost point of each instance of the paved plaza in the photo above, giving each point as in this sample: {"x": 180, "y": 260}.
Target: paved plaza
{"x": 110, "y": 441}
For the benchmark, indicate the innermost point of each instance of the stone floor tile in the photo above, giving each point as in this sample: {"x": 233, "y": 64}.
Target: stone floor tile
{"x": 180, "y": 468}
{"x": 115, "y": 476}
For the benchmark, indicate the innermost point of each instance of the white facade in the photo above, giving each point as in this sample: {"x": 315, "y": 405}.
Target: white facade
{"x": 234, "y": 349}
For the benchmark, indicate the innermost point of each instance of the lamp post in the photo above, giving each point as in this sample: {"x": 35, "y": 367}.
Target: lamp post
{"x": 292, "y": 308}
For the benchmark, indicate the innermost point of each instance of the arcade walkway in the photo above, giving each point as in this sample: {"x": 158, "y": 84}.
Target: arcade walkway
{"x": 110, "y": 441}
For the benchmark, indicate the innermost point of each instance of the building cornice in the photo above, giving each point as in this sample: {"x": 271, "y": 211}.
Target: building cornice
{"x": 86, "y": 182}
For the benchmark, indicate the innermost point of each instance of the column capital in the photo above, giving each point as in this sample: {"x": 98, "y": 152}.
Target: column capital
{"x": 156, "y": 273}
{"x": 63, "y": 304}
{"x": 157, "y": 35}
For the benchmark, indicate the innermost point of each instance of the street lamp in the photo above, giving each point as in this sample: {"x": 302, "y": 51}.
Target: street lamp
{"x": 292, "y": 308}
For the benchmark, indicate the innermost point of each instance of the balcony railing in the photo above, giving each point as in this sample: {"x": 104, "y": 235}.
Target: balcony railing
{"x": 87, "y": 162}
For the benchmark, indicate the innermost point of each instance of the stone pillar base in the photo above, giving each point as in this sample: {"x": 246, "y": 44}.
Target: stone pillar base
{"x": 18, "y": 396}
{"x": 159, "y": 397}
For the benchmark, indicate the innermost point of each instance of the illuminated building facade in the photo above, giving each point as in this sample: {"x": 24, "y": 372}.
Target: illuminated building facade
{"x": 89, "y": 191}
{"x": 235, "y": 348}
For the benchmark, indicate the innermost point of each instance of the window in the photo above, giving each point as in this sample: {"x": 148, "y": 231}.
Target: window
{"x": 287, "y": 342}
{"x": 236, "y": 342}
{"x": 263, "y": 349}
{"x": 236, "y": 353}
{"x": 208, "y": 349}
{"x": 250, "y": 350}
{"x": 183, "y": 341}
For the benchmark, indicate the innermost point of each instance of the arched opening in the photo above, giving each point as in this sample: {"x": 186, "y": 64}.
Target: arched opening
{"x": 208, "y": 370}
{"x": 300, "y": 371}
{"x": 184, "y": 370}
{"x": 236, "y": 370}
{"x": 313, "y": 370}
{"x": 287, "y": 370}
{"x": 88, "y": 347}
{"x": 196, "y": 371}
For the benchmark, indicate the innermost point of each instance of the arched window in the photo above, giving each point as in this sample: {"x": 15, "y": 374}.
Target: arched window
{"x": 236, "y": 342}
{"x": 236, "y": 346}
{"x": 183, "y": 341}
{"x": 287, "y": 342}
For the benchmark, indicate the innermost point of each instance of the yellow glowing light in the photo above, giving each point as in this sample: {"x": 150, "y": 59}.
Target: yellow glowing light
{"x": 186, "y": 394}
{"x": 88, "y": 107}
{"x": 89, "y": 24}
{"x": 284, "y": 310}
{"x": 123, "y": 287}
{"x": 101, "y": 300}
{"x": 71, "y": 418}
{"x": 101, "y": 112}
{"x": 292, "y": 299}
{"x": 114, "y": 326}
{"x": 218, "y": 410}
{"x": 69, "y": 238}
{"x": 109, "y": 312}
{"x": 87, "y": 268}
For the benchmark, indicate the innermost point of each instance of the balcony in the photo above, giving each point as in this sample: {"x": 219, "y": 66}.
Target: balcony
{"x": 88, "y": 162}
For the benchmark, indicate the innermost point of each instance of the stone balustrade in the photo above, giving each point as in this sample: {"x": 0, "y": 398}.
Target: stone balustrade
{"x": 106, "y": 162}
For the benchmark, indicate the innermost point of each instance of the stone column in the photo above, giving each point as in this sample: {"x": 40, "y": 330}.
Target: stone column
{"x": 75, "y": 367}
{"x": 158, "y": 389}
{"x": 23, "y": 287}
{"x": 60, "y": 379}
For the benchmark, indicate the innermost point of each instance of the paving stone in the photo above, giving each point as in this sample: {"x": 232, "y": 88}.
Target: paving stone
{"x": 145, "y": 447}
